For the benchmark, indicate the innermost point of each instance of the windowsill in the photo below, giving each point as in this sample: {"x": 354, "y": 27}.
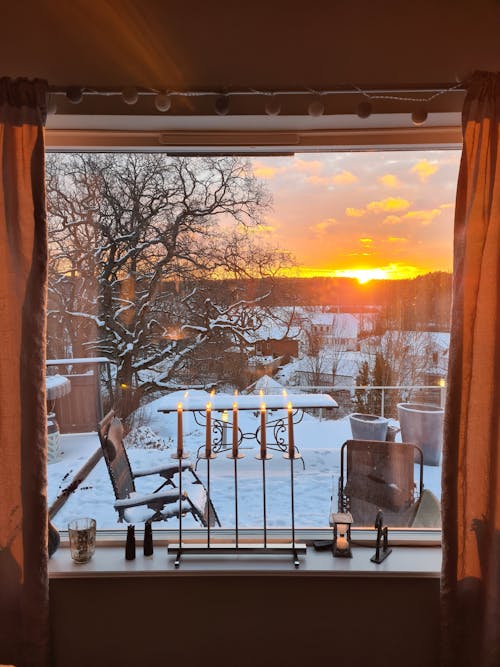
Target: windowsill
{"x": 408, "y": 562}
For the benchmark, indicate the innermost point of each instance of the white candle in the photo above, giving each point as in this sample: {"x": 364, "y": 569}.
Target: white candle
{"x": 179, "y": 431}
{"x": 263, "y": 430}
{"x": 208, "y": 441}
{"x": 291, "y": 441}
{"x": 235, "y": 430}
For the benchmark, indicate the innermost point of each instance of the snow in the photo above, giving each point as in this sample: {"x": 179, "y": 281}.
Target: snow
{"x": 222, "y": 402}
{"x": 319, "y": 442}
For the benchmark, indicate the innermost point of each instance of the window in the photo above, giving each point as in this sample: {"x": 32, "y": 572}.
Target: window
{"x": 336, "y": 267}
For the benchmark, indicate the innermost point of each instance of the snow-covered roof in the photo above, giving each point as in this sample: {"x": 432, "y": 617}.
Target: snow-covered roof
{"x": 266, "y": 384}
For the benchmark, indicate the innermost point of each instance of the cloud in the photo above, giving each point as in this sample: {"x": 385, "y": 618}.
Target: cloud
{"x": 344, "y": 178}
{"x": 390, "y": 180}
{"x": 392, "y": 220}
{"x": 324, "y": 225}
{"x": 355, "y": 212}
{"x": 266, "y": 171}
{"x": 425, "y": 216}
{"x": 424, "y": 169}
{"x": 397, "y": 239}
{"x": 308, "y": 166}
{"x": 450, "y": 205}
{"x": 388, "y": 204}
{"x": 366, "y": 241}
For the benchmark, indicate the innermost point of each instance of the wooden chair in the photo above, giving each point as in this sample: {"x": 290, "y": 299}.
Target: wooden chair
{"x": 162, "y": 503}
{"x": 377, "y": 475}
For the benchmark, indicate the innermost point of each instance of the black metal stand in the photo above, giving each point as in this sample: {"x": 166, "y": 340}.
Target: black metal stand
{"x": 382, "y": 549}
{"x": 237, "y": 548}
{"x": 181, "y": 495}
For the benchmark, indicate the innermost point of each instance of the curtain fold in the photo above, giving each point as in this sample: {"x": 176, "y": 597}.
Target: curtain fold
{"x": 23, "y": 285}
{"x": 470, "y": 584}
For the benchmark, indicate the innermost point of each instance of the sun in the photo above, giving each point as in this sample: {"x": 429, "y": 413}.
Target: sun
{"x": 363, "y": 275}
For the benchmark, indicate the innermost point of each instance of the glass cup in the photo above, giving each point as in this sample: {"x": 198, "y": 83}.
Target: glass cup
{"x": 82, "y": 539}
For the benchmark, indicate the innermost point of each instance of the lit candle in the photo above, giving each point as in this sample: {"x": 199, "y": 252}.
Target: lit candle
{"x": 235, "y": 430}
{"x": 208, "y": 442}
{"x": 263, "y": 430}
{"x": 291, "y": 441}
{"x": 179, "y": 431}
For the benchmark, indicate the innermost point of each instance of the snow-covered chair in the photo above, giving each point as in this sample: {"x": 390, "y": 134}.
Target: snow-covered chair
{"x": 375, "y": 475}
{"x": 163, "y": 502}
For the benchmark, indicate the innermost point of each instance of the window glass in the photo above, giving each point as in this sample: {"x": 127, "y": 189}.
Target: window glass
{"x": 320, "y": 280}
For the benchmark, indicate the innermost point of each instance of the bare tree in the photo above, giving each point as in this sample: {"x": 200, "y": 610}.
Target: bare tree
{"x": 136, "y": 241}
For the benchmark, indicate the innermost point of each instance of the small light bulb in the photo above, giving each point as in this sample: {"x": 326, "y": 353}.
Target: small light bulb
{"x": 316, "y": 108}
{"x": 419, "y": 116}
{"x": 129, "y": 95}
{"x": 74, "y": 94}
{"x": 163, "y": 101}
{"x": 364, "y": 109}
{"x": 273, "y": 106}
{"x": 222, "y": 105}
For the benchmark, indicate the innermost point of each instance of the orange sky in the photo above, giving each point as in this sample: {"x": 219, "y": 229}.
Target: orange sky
{"x": 388, "y": 214}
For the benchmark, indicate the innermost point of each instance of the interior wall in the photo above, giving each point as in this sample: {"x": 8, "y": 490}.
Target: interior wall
{"x": 245, "y": 621}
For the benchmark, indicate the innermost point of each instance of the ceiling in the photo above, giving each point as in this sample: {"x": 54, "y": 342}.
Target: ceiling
{"x": 262, "y": 45}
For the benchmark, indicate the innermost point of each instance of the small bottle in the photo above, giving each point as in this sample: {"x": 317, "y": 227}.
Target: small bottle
{"x": 130, "y": 544}
{"x": 148, "y": 540}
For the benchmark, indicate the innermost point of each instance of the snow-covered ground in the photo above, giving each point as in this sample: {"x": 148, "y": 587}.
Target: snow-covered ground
{"x": 319, "y": 442}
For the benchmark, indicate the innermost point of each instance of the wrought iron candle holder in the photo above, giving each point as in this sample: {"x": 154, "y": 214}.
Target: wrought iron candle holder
{"x": 382, "y": 549}
{"x": 208, "y": 453}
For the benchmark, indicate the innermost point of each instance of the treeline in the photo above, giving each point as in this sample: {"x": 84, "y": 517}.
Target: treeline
{"x": 423, "y": 302}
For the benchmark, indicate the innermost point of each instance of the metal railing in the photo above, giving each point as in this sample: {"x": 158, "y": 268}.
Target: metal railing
{"x": 408, "y": 389}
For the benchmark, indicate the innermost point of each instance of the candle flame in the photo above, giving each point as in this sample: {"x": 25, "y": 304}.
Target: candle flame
{"x": 262, "y": 407}
{"x": 289, "y": 406}
{"x": 179, "y": 406}
{"x": 212, "y": 393}
{"x": 209, "y": 406}
{"x": 225, "y": 416}
{"x": 236, "y": 392}
{"x": 261, "y": 393}
{"x": 186, "y": 394}
{"x": 284, "y": 392}
{"x": 235, "y": 406}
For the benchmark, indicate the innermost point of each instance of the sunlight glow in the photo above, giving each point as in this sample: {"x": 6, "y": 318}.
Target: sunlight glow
{"x": 362, "y": 275}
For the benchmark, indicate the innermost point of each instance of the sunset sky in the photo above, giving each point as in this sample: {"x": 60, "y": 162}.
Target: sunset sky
{"x": 388, "y": 214}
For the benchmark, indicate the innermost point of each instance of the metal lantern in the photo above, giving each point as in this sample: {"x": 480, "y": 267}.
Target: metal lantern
{"x": 341, "y": 522}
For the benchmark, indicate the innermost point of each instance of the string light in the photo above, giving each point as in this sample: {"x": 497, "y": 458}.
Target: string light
{"x": 273, "y": 99}
{"x": 163, "y": 101}
{"x": 273, "y": 106}
{"x": 130, "y": 95}
{"x": 316, "y": 107}
{"x": 221, "y": 105}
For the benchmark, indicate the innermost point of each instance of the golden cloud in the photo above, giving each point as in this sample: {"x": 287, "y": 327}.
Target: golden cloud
{"x": 324, "y": 225}
{"x": 309, "y": 166}
{"x": 425, "y": 216}
{"x": 424, "y": 169}
{"x": 355, "y": 212}
{"x": 390, "y": 180}
{"x": 388, "y": 204}
{"x": 397, "y": 239}
{"x": 450, "y": 205}
{"x": 344, "y": 178}
{"x": 264, "y": 171}
{"x": 366, "y": 241}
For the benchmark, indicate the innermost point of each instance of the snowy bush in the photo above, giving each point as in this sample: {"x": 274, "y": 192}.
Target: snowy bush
{"x": 143, "y": 437}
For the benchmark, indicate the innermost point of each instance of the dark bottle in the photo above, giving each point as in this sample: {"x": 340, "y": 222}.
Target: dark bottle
{"x": 148, "y": 539}
{"x": 130, "y": 544}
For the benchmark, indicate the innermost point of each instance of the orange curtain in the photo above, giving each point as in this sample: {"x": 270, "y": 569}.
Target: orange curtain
{"x": 23, "y": 284}
{"x": 471, "y": 462}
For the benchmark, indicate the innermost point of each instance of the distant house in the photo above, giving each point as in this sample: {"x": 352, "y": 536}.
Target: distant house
{"x": 273, "y": 347}
{"x": 334, "y": 329}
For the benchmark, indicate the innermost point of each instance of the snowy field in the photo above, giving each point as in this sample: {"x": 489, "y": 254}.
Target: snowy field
{"x": 153, "y": 442}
